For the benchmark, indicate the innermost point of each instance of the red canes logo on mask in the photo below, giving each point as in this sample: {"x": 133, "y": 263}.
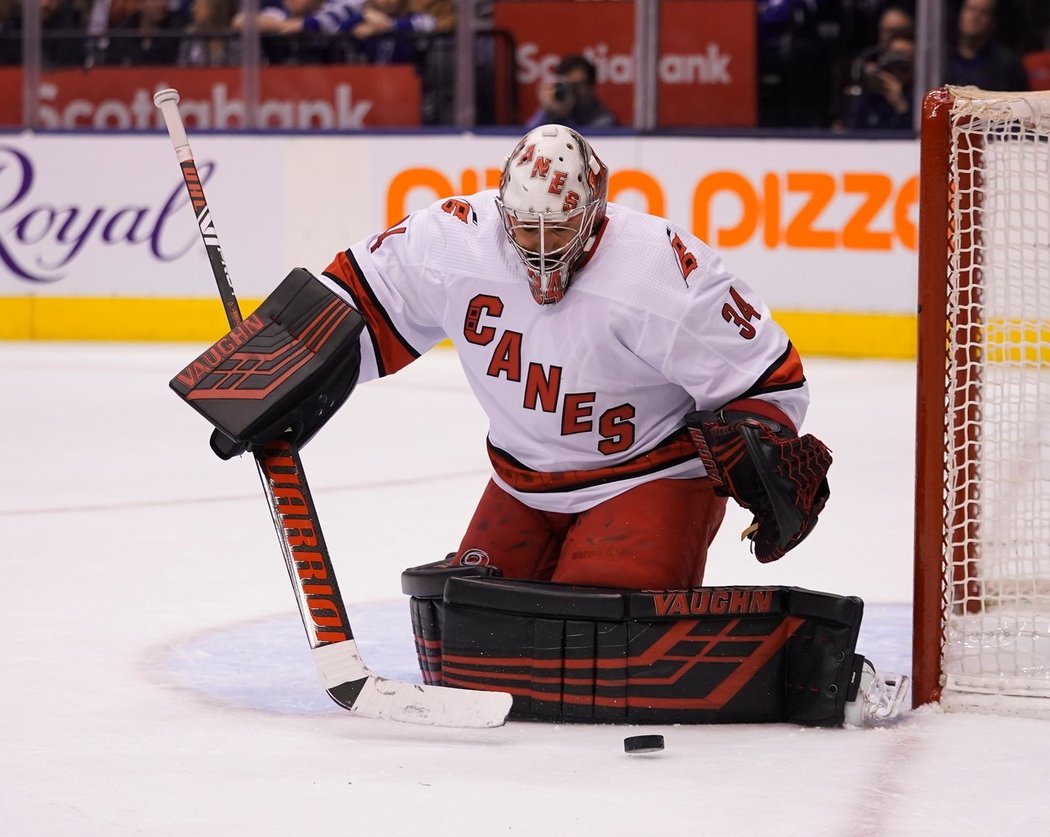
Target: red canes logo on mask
{"x": 552, "y": 198}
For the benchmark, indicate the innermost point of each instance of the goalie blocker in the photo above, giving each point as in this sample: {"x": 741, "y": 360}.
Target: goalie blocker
{"x": 598, "y": 655}
{"x": 282, "y": 372}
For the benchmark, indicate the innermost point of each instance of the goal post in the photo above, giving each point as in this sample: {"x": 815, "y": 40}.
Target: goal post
{"x": 982, "y": 500}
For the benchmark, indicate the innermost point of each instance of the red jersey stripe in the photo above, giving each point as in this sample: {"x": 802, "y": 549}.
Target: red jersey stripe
{"x": 392, "y": 351}
{"x": 785, "y": 373}
{"x": 676, "y": 449}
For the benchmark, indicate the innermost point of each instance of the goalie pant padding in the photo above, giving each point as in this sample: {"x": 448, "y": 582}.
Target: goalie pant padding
{"x": 595, "y": 655}
{"x": 290, "y": 365}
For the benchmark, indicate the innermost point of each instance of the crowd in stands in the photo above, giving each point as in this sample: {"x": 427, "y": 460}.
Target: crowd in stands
{"x": 821, "y": 64}
{"x": 866, "y": 52}
{"x": 206, "y": 32}
{"x": 339, "y": 31}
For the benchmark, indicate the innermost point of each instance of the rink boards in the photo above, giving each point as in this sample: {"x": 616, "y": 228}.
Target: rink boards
{"x": 97, "y": 240}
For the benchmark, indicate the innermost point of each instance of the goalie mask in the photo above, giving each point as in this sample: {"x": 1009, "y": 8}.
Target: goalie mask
{"x": 552, "y": 196}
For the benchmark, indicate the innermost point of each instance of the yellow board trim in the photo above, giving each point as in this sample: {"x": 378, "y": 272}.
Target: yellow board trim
{"x": 846, "y": 334}
{"x": 1018, "y": 342}
{"x": 814, "y": 333}
{"x": 116, "y": 318}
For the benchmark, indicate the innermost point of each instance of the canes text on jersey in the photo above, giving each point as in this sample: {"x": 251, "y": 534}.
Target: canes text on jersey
{"x": 542, "y": 385}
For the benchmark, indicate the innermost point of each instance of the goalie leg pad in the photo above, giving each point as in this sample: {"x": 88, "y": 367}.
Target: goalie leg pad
{"x": 282, "y": 372}
{"x": 425, "y": 585}
{"x": 702, "y": 655}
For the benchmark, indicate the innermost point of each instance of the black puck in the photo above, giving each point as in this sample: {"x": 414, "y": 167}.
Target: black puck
{"x": 643, "y": 743}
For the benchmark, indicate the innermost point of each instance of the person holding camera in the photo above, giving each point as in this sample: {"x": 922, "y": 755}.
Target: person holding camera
{"x": 883, "y": 98}
{"x": 896, "y": 20}
{"x": 569, "y": 98}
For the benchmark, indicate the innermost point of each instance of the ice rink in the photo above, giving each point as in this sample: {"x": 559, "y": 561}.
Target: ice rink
{"x": 156, "y": 677}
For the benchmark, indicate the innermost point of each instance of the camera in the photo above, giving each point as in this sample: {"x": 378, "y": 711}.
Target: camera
{"x": 563, "y": 92}
{"x": 898, "y": 63}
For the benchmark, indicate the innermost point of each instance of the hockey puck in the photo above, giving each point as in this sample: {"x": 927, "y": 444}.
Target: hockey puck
{"x": 643, "y": 744}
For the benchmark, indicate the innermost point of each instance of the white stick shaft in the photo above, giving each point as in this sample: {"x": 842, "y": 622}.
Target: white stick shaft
{"x": 168, "y": 102}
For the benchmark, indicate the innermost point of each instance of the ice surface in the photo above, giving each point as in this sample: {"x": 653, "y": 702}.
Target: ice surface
{"x": 155, "y": 675}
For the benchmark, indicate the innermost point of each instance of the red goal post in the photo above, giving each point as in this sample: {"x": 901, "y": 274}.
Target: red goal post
{"x": 982, "y": 521}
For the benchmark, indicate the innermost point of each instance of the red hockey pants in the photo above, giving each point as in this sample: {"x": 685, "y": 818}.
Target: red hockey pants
{"x": 653, "y": 536}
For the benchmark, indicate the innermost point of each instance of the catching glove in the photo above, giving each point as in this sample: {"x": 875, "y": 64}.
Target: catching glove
{"x": 779, "y": 477}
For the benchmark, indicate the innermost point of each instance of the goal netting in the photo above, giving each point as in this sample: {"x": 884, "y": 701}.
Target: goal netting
{"x": 982, "y": 604}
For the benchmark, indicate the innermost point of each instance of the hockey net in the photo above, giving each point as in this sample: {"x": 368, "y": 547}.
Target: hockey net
{"x": 982, "y": 529}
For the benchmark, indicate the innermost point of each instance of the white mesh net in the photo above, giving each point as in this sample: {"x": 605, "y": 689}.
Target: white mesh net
{"x": 997, "y": 441}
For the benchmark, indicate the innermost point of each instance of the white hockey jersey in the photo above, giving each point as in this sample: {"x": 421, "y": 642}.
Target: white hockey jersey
{"x": 585, "y": 398}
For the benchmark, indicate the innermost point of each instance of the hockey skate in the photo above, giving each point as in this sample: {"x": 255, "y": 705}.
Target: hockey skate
{"x": 879, "y": 699}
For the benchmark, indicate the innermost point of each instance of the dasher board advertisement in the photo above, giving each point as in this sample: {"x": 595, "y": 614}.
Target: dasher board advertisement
{"x": 818, "y": 227}
{"x": 291, "y": 98}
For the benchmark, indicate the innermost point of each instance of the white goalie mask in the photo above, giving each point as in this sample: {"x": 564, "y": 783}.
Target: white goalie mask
{"x": 552, "y": 196}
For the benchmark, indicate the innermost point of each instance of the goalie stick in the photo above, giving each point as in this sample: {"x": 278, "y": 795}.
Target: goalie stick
{"x": 346, "y": 678}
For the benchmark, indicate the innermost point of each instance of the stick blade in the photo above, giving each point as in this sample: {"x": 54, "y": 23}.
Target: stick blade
{"x": 354, "y": 686}
{"x": 435, "y": 706}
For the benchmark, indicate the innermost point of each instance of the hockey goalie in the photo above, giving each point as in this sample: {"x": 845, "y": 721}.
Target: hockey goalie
{"x": 632, "y": 385}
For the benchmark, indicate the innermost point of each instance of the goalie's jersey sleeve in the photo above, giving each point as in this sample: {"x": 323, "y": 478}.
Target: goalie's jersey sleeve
{"x": 387, "y": 278}
{"x": 585, "y": 398}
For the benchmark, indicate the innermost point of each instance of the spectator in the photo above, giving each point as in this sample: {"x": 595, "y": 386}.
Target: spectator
{"x": 10, "y": 32}
{"x": 569, "y": 98}
{"x": 107, "y": 14}
{"x": 62, "y": 28}
{"x": 443, "y": 12}
{"x": 895, "y": 21}
{"x": 207, "y": 41}
{"x": 297, "y": 32}
{"x": 307, "y": 26}
{"x": 883, "y": 99}
{"x": 383, "y": 30}
{"x": 380, "y": 28}
{"x": 148, "y": 36}
{"x": 293, "y": 16}
{"x": 102, "y": 16}
{"x": 788, "y": 62}
{"x": 978, "y": 57}
{"x": 63, "y": 24}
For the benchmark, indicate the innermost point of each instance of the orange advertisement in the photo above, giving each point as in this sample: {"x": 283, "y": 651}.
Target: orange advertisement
{"x": 705, "y": 66}
{"x": 291, "y": 98}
